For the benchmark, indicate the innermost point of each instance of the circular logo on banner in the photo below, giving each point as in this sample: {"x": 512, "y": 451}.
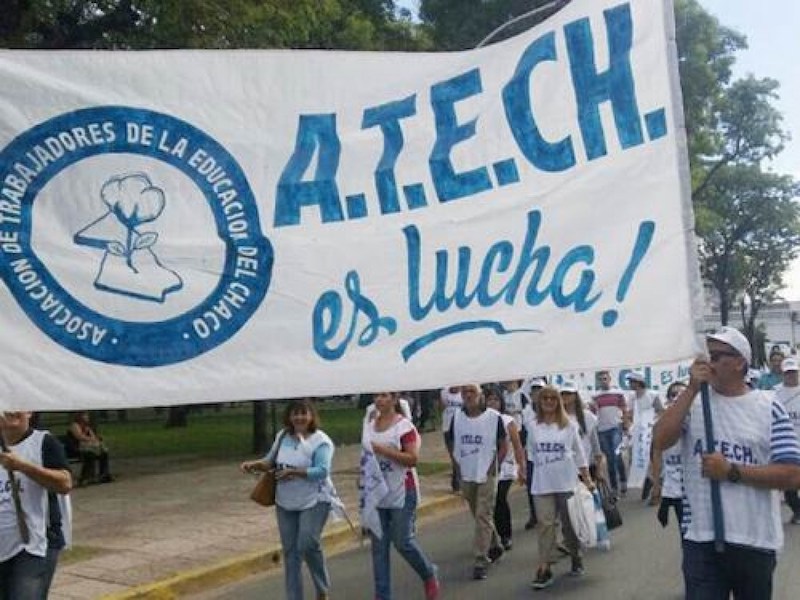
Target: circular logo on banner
{"x": 129, "y": 236}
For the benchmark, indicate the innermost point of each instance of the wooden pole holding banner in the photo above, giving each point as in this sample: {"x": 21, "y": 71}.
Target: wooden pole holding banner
{"x": 716, "y": 499}
{"x": 24, "y": 533}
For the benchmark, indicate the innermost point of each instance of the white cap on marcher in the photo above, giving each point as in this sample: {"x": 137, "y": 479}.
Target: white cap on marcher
{"x": 735, "y": 339}
{"x": 538, "y": 382}
{"x": 789, "y": 364}
{"x": 569, "y": 386}
{"x": 634, "y": 376}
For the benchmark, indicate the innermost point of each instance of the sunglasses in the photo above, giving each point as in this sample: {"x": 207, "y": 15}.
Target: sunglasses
{"x": 718, "y": 354}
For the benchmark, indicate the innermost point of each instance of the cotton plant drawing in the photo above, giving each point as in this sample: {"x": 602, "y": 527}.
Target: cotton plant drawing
{"x": 130, "y": 265}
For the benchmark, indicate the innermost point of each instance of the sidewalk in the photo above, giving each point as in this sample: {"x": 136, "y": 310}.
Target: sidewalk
{"x": 169, "y": 527}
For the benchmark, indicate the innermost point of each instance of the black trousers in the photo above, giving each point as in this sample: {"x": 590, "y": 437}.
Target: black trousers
{"x": 502, "y": 511}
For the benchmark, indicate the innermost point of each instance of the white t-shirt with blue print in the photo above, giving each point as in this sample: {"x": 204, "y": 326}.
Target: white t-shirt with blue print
{"x": 752, "y": 429}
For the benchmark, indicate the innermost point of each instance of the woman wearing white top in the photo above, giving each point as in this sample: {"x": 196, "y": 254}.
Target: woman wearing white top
{"x": 554, "y": 442}
{"x": 587, "y": 427}
{"x": 511, "y": 469}
{"x": 301, "y": 456}
{"x": 395, "y": 442}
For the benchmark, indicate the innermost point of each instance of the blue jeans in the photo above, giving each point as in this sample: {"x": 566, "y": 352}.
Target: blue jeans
{"x": 710, "y": 575}
{"x": 300, "y": 532}
{"x": 27, "y": 577}
{"x": 610, "y": 439}
{"x": 398, "y": 528}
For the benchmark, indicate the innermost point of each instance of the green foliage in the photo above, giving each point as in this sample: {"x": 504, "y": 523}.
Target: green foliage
{"x": 226, "y": 435}
{"x": 749, "y": 227}
{"x": 747, "y": 220}
{"x": 462, "y": 24}
{"x": 705, "y": 58}
{"x": 147, "y": 24}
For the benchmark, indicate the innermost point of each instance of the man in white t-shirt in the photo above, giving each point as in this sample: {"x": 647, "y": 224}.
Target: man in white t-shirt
{"x": 756, "y": 452}
{"x": 479, "y": 444}
{"x": 644, "y": 406}
{"x": 788, "y": 392}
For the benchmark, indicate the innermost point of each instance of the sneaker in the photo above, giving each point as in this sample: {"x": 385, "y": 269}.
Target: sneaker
{"x": 795, "y": 520}
{"x": 495, "y": 553}
{"x": 480, "y": 572}
{"x": 531, "y": 523}
{"x": 507, "y": 544}
{"x": 544, "y": 579}
{"x": 432, "y": 586}
{"x": 577, "y": 567}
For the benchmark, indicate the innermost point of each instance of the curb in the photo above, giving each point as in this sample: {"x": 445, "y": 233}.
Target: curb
{"x": 336, "y": 540}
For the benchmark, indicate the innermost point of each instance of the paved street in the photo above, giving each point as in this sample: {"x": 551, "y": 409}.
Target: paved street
{"x": 643, "y": 563}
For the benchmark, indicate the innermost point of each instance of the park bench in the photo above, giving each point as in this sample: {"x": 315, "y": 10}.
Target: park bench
{"x": 70, "y": 449}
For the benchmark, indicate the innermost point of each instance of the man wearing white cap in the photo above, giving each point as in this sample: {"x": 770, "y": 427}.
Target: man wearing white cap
{"x": 645, "y": 406}
{"x": 757, "y": 451}
{"x": 788, "y": 392}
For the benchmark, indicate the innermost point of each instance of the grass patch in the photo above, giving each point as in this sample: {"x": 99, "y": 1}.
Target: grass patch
{"x": 78, "y": 554}
{"x": 225, "y": 435}
{"x": 432, "y": 468}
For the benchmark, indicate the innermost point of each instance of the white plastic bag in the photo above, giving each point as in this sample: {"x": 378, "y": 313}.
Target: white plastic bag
{"x": 582, "y": 515}
{"x": 603, "y": 536}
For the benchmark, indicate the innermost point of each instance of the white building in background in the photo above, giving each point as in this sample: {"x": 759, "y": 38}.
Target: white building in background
{"x": 780, "y": 321}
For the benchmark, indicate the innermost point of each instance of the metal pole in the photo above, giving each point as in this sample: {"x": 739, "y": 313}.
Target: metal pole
{"x": 716, "y": 499}
{"x": 517, "y": 19}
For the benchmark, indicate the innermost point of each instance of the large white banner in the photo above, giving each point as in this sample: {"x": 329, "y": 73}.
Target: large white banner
{"x": 193, "y": 226}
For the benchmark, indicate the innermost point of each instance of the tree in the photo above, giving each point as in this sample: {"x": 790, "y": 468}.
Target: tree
{"x": 462, "y": 24}
{"x": 706, "y": 54}
{"x": 748, "y": 129}
{"x": 746, "y": 220}
{"x": 147, "y": 24}
{"x": 749, "y": 229}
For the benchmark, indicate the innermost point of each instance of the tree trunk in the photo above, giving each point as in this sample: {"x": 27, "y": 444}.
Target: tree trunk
{"x": 259, "y": 426}
{"x": 178, "y": 416}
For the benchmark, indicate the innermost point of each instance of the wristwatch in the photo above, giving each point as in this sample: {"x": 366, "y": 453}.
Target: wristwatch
{"x": 734, "y": 474}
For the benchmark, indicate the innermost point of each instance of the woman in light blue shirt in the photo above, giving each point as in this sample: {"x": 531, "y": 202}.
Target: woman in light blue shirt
{"x": 301, "y": 455}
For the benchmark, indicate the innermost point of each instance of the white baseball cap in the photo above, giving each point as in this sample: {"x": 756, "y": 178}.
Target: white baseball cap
{"x": 538, "y": 382}
{"x": 569, "y": 386}
{"x": 735, "y": 339}
{"x": 634, "y": 376}
{"x": 789, "y": 364}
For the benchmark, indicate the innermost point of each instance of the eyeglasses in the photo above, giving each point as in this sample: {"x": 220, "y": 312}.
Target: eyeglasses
{"x": 718, "y": 354}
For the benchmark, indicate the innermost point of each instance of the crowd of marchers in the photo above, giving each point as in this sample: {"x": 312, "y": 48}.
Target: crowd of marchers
{"x": 717, "y": 447}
